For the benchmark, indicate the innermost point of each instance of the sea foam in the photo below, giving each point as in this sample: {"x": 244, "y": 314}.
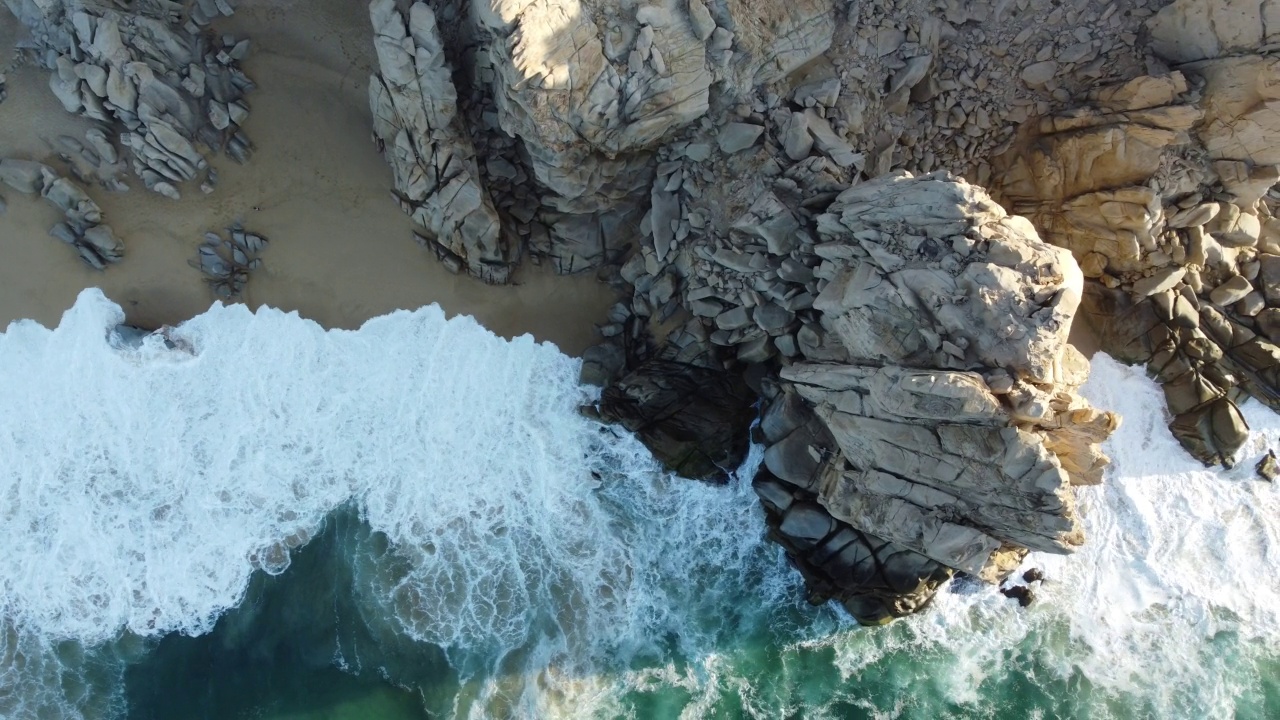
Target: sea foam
{"x": 565, "y": 575}
{"x": 143, "y": 485}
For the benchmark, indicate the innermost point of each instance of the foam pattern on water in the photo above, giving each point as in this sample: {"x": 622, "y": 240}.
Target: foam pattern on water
{"x": 142, "y": 486}
{"x": 563, "y": 574}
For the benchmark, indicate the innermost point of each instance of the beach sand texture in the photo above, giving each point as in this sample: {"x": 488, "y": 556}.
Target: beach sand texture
{"x": 340, "y": 250}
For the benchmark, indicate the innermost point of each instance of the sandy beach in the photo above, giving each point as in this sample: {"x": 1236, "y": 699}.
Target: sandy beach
{"x": 340, "y": 250}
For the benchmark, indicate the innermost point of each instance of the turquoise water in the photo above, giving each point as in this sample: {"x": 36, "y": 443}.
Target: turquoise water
{"x": 412, "y": 520}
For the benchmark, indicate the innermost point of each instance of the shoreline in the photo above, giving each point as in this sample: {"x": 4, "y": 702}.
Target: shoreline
{"x": 340, "y": 250}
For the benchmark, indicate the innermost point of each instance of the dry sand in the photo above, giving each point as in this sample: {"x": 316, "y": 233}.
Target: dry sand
{"x": 340, "y": 250}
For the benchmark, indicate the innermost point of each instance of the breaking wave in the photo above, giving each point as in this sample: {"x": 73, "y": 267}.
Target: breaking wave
{"x": 143, "y": 483}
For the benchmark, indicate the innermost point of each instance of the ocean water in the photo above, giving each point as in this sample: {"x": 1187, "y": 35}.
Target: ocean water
{"x": 412, "y": 520}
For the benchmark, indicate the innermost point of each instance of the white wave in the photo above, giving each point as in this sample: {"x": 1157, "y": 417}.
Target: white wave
{"x": 141, "y": 487}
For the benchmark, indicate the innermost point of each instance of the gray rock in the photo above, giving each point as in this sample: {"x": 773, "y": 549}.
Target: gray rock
{"x": 795, "y": 137}
{"x": 414, "y": 107}
{"x": 831, "y": 144}
{"x": 1268, "y": 468}
{"x": 700, "y": 19}
{"x": 772, "y": 494}
{"x": 772, "y": 318}
{"x": 1162, "y": 280}
{"x": 1233, "y": 290}
{"x": 736, "y": 137}
{"x": 1038, "y": 74}
{"x": 1251, "y": 304}
{"x": 1269, "y": 277}
{"x": 733, "y": 319}
{"x": 911, "y": 74}
{"x": 806, "y": 523}
{"x": 601, "y": 364}
{"x": 24, "y": 176}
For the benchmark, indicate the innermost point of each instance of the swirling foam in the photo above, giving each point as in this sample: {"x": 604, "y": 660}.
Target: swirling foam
{"x": 141, "y": 487}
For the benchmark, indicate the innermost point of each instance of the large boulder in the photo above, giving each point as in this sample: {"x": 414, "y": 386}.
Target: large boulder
{"x": 923, "y": 419}
{"x": 415, "y": 119}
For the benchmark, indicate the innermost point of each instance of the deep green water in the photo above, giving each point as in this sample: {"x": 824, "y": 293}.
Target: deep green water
{"x": 278, "y": 656}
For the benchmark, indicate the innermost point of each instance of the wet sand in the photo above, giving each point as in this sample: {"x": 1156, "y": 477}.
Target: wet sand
{"x": 340, "y": 250}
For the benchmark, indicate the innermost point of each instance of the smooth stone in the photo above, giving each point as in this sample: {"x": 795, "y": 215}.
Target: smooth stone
{"x": 736, "y": 137}
{"x": 807, "y": 523}
{"x": 1161, "y": 281}
{"x": 1231, "y": 291}
{"x": 1037, "y": 74}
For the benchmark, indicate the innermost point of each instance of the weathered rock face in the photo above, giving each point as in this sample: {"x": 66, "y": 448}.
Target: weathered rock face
{"x": 415, "y": 122}
{"x": 155, "y": 74}
{"x": 925, "y": 419}
{"x": 952, "y": 430}
{"x": 581, "y": 82}
{"x": 1190, "y": 30}
{"x": 1161, "y": 186}
{"x": 589, "y": 91}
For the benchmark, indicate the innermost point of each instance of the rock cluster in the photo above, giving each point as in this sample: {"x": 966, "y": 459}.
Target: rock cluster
{"x": 415, "y": 122}
{"x": 952, "y": 430}
{"x": 153, "y": 73}
{"x": 82, "y": 228}
{"x": 227, "y": 262}
{"x": 924, "y": 420}
{"x": 95, "y": 161}
{"x": 566, "y": 102}
{"x": 1162, "y": 188}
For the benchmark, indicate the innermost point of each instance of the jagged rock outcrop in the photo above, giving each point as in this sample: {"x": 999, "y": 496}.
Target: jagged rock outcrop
{"x": 83, "y": 228}
{"x": 583, "y": 82}
{"x": 152, "y": 73}
{"x": 227, "y": 262}
{"x": 589, "y": 91}
{"x": 415, "y": 122}
{"x": 924, "y": 420}
{"x": 1161, "y": 186}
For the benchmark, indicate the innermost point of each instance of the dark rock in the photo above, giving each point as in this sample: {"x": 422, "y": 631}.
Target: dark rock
{"x": 602, "y": 363}
{"x": 784, "y": 415}
{"x": 694, "y": 419}
{"x": 772, "y": 493}
{"x": 1021, "y": 593}
{"x": 792, "y": 459}
{"x": 1033, "y": 575}
{"x": 806, "y": 523}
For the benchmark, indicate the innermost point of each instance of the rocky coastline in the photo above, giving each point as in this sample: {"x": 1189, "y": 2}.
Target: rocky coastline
{"x": 869, "y": 225}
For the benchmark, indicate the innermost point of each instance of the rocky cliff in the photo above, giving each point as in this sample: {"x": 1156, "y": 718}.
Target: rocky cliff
{"x": 880, "y": 217}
